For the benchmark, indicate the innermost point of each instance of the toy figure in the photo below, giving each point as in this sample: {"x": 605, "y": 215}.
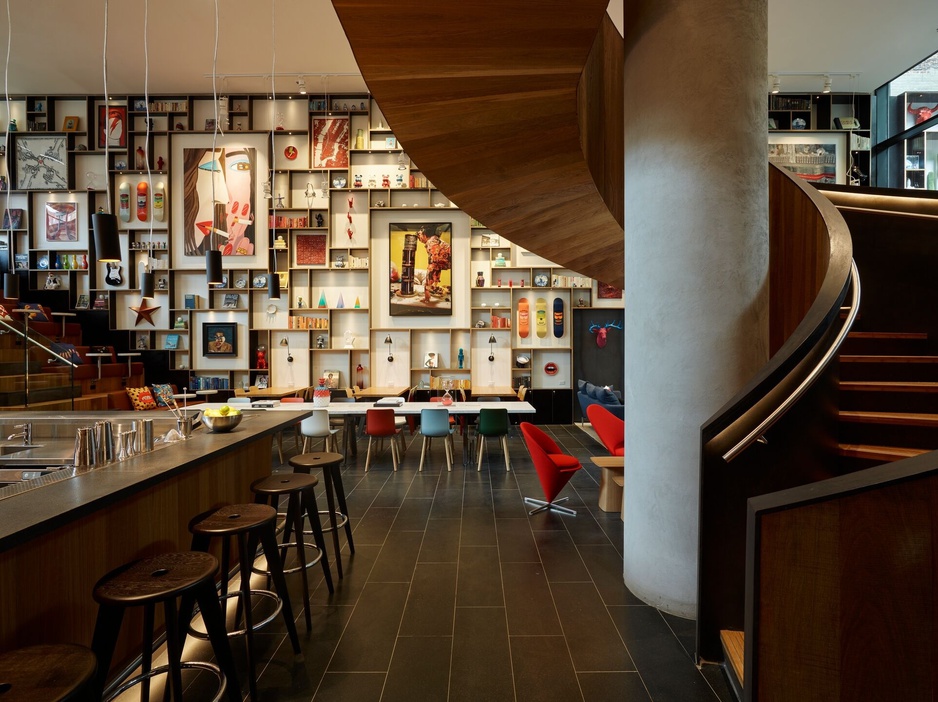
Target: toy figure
{"x": 358, "y": 180}
{"x": 161, "y": 285}
{"x": 261, "y": 362}
{"x": 320, "y": 342}
{"x": 319, "y": 220}
{"x": 399, "y": 179}
{"x": 385, "y": 181}
{"x": 160, "y": 163}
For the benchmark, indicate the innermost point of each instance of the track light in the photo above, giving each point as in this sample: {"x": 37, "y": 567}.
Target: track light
{"x": 389, "y": 341}
{"x": 827, "y": 84}
{"x": 492, "y": 342}
{"x": 776, "y": 85}
{"x": 301, "y": 84}
{"x": 284, "y": 342}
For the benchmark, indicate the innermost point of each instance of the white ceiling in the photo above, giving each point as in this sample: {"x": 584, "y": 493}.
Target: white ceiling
{"x": 57, "y": 44}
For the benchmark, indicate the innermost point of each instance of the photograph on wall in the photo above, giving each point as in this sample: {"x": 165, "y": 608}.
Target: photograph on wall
{"x": 310, "y": 249}
{"x": 421, "y": 269}
{"x": 219, "y": 339}
{"x": 604, "y": 291}
{"x": 332, "y": 378}
{"x": 225, "y": 176}
{"x": 330, "y": 142}
{"x": 41, "y": 163}
{"x": 820, "y": 159}
{"x": 112, "y": 126}
{"x": 61, "y": 221}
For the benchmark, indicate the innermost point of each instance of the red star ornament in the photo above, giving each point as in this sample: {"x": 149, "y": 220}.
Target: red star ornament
{"x": 144, "y": 312}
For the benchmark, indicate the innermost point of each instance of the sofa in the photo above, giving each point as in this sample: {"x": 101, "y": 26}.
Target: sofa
{"x": 41, "y": 320}
{"x": 589, "y": 394}
{"x": 135, "y": 399}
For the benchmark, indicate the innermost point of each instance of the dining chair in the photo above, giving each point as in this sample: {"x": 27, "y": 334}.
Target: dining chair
{"x": 317, "y": 426}
{"x": 554, "y": 469}
{"x": 379, "y": 423}
{"x": 493, "y": 423}
{"x": 239, "y": 400}
{"x": 434, "y": 423}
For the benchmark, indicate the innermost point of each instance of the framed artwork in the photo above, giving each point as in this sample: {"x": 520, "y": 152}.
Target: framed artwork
{"x": 41, "y": 163}
{"x": 421, "y": 269}
{"x": 310, "y": 249}
{"x": 70, "y": 124}
{"x": 112, "y": 126}
{"x": 82, "y": 302}
{"x": 605, "y": 291}
{"x": 61, "y": 221}
{"x": 232, "y": 300}
{"x": 816, "y": 159}
{"x": 330, "y": 142}
{"x": 332, "y": 378}
{"x": 210, "y": 125}
{"x": 219, "y": 339}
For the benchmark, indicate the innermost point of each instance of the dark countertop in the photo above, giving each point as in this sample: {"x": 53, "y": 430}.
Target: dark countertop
{"x": 35, "y": 512}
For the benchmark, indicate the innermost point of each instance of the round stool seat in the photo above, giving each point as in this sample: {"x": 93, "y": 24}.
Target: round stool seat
{"x": 319, "y": 459}
{"x": 155, "y": 579}
{"x": 234, "y": 519}
{"x": 45, "y": 673}
{"x": 283, "y": 483}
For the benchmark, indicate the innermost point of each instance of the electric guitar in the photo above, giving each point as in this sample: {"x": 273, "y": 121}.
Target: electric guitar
{"x": 113, "y": 275}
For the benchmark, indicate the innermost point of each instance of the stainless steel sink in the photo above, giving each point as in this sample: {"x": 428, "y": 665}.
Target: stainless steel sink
{"x": 7, "y": 449}
{"x": 52, "y": 452}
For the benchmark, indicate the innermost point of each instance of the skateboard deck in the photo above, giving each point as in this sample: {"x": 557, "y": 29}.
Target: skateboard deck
{"x": 558, "y": 317}
{"x": 524, "y": 327}
{"x": 143, "y": 200}
{"x": 124, "y": 200}
{"x": 159, "y": 202}
{"x": 540, "y": 318}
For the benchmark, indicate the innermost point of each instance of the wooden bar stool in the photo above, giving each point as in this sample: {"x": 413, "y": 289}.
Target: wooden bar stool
{"x": 302, "y": 502}
{"x": 330, "y": 463}
{"x": 250, "y": 523}
{"x": 46, "y": 673}
{"x": 146, "y": 583}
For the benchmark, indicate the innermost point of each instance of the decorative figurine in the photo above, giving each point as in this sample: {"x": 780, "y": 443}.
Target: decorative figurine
{"x": 161, "y": 285}
{"x": 385, "y": 180}
{"x": 3, "y": 183}
{"x": 460, "y": 357}
{"x": 180, "y": 323}
{"x": 160, "y": 163}
{"x": 300, "y": 304}
{"x": 358, "y": 180}
{"x": 399, "y": 179}
{"x": 261, "y": 362}
{"x": 362, "y": 107}
{"x": 180, "y": 127}
{"x": 372, "y": 183}
{"x": 280, "y": 201}
{"x": 319, "y": 219}
{"x": 141, "y": 159}
{"x": 320, "y": 342}
{"x": 349, "y": 339}
{"x": 12, "y": 125}
{"x": 52, "y": 282}
{"x": 238, "y": 126}
{"x": 379, "y": 203}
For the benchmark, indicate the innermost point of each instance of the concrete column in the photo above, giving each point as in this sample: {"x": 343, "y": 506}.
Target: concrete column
{"x": 696, "y": 263}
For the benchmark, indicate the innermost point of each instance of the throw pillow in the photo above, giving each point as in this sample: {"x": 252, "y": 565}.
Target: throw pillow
{"x": 68, "y": 352}
{"x": 141, "y": 398}
{"x": 35, "y": 313}
{"x": 581, "y": 386}
{"x": 607, "y": 396}
{"x": 3, "y": 313}
{"x": 163, "y": 392}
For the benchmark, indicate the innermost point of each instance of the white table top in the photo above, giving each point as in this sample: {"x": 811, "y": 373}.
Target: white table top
{"x": 340, "y": 409}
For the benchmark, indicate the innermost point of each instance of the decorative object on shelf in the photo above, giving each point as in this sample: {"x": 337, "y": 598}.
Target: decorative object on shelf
{"x": 435, "y": 272}
{"x": 172, "y": 342}
{"x": 180, "y": 323}
{"x": 340, "y": 303}
{"x": 285, "y": 342}
{"x": 300, "y": 304}
{"x": 310, "y": 249}
{"x": 580, "y": 302}
{"x": 272, "y": 309}
{"x": 41, "y": 163}
{"x": 321, "y": 395}
{"x": 923, "y": 113}
{"x": 447, "y": 399}
{"x": 348, "y": 339}
{"x": 82, "y": 303}
{"x": 522, "y": 361}
{"x": 360, "y": 372}
{"x": 541, "y": 280}
{"x": 390, "y": 342}
{"x": 524, "y": 320}
{"x": 100, "y": 302}
{"x": 431, "y": 360}
{"x": 309, "y": 194}
{"x": 219, "y": 339}
{"x": 290, "y": 153}
{"x": 70, "y": 123}
{"x": 113, "y": 274}
{"x": 357, "y": 180}
{"x": 241, "y": 283}
{"x": 330, "y": 142}
{"x": 262, "y": 382}
{"x": 380, "y": 203}
{"x": 144, "y": 312}
{"x": 280, "y": 118}
{"x": 480, "y": 324}
{"x": 260, "y": 360}
{"x": 280, "y": 243}
{"x": 799, "y": 123}
{"x": 460, "y": 358}
{"x": 358, "y": 303}
{"x": 259, "y": 281}
{"x": 142, "y": 342}
{"x": 140, "y": 160}
{"x": 492, "y": 342}
{"x": 500, "y": 260}
{"x": 280, "y": 200}
{"x": 43, "y": 262}
{"x": 339, "y": 182}
{"x": 604, "y": 291}
{"x": 339, "y": 261}
{"x": 12, "y": 126}
{"x": 231, "y": 301}
{"x": 161, "y": 285}
{"x": 319, "y": 220}
{"x": 3, "y": 183}
{"x": 558, "y": 317}
{"x": 320, "y": 341}
{"x": 120, "y": 165}
{"x": 322, "y": 300}
{"x": 52, "y": 282}
{"x": 360, "y": 139}
{"x": 333, "y": 378}
{"x": 601, "y": 332}
{"x": 372, "y": 183}
{"x": 112, "y": 126}
{"x": 551, "y": 368}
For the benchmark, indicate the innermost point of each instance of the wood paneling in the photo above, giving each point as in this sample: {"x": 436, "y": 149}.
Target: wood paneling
{"x": 483, "y": 96}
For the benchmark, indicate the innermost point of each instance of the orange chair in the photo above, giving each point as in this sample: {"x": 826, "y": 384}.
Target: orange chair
{"x": 380, "y": 423}
{"x": 554, "y": 469}
{"x": 609, "y": 428}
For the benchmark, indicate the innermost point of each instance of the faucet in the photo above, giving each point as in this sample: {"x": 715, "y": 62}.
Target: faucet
{"x": 26, "y": 434}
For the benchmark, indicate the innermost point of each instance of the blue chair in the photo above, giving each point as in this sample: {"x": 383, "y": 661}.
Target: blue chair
{"x": 435, "y": 423}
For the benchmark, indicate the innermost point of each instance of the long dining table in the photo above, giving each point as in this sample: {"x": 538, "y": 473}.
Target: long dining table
{"x": 352, "y": 410}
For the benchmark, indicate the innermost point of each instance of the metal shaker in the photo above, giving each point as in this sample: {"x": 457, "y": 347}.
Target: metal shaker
{"x": 145, "y": 435}
{"x": 85, "y": 449}
{"x": 104, "y": 441}
{"x": 184, "y": 425}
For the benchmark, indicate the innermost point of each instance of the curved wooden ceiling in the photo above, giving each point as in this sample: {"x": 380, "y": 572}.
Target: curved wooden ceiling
{"x": 484, "y": 97}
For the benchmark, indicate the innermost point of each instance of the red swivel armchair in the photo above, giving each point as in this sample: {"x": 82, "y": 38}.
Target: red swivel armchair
{"x": 609, "y": 428}
{"x": 554, "y": 469}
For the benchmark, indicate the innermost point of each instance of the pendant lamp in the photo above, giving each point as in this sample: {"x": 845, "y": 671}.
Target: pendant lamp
{"x": 11, "y": 281}
{"x": 213, "y": 267}
{"x": 107, "y": 247}
{"x": 273, "y": 278}
{"x": 147, "y": 286}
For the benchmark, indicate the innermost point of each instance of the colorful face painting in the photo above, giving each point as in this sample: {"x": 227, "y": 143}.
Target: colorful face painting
{"x": 225, "y": 176}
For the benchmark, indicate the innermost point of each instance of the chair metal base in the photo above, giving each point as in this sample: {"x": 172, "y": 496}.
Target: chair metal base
{"x": 555, "y": 506}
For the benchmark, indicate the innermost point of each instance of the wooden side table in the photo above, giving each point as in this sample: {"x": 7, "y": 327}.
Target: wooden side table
{"x": 611, "y": 482}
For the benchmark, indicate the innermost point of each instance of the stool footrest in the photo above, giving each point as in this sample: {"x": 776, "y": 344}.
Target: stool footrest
{"x": 278, "y": 606}
{"x": 164, "y": 669}
{"x": 295, "y": 569}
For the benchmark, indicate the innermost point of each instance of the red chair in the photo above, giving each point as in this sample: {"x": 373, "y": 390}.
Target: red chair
{"x": 554, "y": 469}
{"x": 609, "y": 428}
{"x": 380, "y": 423}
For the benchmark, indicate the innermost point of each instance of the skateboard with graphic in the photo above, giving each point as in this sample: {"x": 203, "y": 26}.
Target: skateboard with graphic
{"x": 143, "y": 200}
{"x": 524, "y": 327}
{"x": 159, "y": 202}
{"x": 540, "y": 318}
{"x": 124, "y": 200}
{"x": 558, "y": 317}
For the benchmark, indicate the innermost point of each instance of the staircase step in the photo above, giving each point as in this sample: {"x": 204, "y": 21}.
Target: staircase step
{"x": 880, "y": 454}
{"x": 910, "y": 429}
{"x": 889, "y": 396}
{"x": 915, "y": 419}
{"x": 888, "y": 367}
{"x": 859, "y": 342}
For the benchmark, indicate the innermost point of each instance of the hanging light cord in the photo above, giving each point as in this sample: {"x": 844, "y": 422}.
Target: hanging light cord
{"x": 6, "y": 135}
{"x": 214, "y": 131}
{"x": 273, "y": 116}
{"x": 146, "y": 99}
{"x": 107, "y": 116}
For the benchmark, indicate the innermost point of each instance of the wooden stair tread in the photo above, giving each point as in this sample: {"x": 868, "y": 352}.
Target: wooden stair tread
{"x": 889, "y": 385}
{"x": 733, "y": 646}
{"x": 886, "y": 335}
{"x": 872, "y": 358}
{"x": 878, "y": 453}
{"x": 917, "y": 419}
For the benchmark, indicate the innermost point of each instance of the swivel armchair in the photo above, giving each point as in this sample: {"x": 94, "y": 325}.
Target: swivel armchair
{"x": 609, "y": 428}
{"x": 554, "y": 469}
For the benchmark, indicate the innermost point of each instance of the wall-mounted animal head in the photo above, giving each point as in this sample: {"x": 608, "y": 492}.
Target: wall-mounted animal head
{"x": 601, "y": 331}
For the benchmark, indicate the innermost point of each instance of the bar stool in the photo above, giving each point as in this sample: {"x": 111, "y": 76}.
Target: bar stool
{"x": 146, "y": 583}
{"x": 332, "y": 476}
{"x": 302, "y": 502}
{"x": 250, "y": 523}
{"x": 46, "y": 673}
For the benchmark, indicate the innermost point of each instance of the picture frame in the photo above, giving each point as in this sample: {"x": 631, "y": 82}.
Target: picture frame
{"x": 332, "y": 379}
{"x": 330, "y": 142}
{"x": 421, "y": 269}
{"x": 82, "y": 303}
{"x": 820, "y": 158}
{"x": 140, "y": 105}
{"x": 219, "y": 339}
{"x": 70, "y": 123}
{"x": 112, "y": 126}
{"x": 210, "y": 125}
{"x": 41, "y": 163}
{"x": 172, "y": 342}
{"x": 309, "y": 249}
{"x": 232, "y": 300}
{"x": 61, "y": 222}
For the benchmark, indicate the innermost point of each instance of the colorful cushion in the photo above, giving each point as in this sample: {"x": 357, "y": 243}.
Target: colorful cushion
{"x": 607, "y": 396}
{"x": 141, "y": 398}
{"x": 68, "y": 352}
{"x": 3, "y": 313}
{"x": 163, "y": 392}
{"x": 36, "y": 313}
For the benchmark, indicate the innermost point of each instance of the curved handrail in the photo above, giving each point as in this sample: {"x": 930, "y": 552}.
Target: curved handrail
{"x": 24, "y": 335}
{"x": 759, "y": 431}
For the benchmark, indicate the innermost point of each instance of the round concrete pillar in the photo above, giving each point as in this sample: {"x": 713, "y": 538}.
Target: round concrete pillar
{"x": 696, "y": 263}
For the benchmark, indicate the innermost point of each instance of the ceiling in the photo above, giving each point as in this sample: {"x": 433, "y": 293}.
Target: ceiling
{"x": 57, "y": 44}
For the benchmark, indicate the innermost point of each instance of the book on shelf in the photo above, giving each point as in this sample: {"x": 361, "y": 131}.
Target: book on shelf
{"x": 172, "y": 342}
{"x": 82, "y": 302}
{"x": 231, "y": 300}
{"x": 13, "y": 218}
{"x": 100, "y": 302}
{"x": 191, "y": 302}
{"x": 21, "y": 261}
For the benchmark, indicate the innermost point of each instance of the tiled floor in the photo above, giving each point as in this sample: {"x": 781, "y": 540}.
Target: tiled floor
{"x": 455, "y": 593}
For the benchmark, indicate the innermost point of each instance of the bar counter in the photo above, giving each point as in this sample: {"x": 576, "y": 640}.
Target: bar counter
{"x": 57, "y": 540}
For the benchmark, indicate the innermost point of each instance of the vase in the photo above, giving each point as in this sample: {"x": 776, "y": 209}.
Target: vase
{"x": 360, "y": 139}
{"x": 322, "y": 394}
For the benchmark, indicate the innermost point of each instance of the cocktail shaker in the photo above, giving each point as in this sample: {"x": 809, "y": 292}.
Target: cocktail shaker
{"x": 104, "y": 441}
{"x": 85, "y": 449}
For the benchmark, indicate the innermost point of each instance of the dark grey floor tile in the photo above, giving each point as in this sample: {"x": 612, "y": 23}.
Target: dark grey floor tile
{"x": 394, "y": 490}
{"x": 374, "y": 525}
{"x": 595, "y": 644}
{"x": 531, "y": 610}
{"x": 509, "y": 504}
{"x": 413, "y": 514}
{"x": 479, "y": 583}
{"x": 560, "y": 557}
{"x": 583, "y": 529}
{"x": 543, "y": 671}
{"x": 368, "y": 640}
{"x": 431, "y": 601}
{"x": 478, "y": 527}
{"x": 351, "y": 687}
{"x": 447, "y": 504}
{"x": 613, "y": 687}
{"x": 423, "y": 485}
{"x": 605, "y": 567}
{"x": 716, "y": 678}
{"x": 685, "y": 630}
{"x": 481, "y": 663}
{"x": 419, "y": 669}
{"x": 395, "y": 563}
{"x": 441, "y": 541}
{"x": 515, "y": 541}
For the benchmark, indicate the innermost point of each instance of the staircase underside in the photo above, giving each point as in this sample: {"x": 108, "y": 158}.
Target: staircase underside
{"x": 487, "y": 100}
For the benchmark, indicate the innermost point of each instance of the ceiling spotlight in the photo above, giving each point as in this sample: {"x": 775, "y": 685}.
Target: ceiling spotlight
{"x": 827, "y": 84}
{"x": 776, "y": 85}
{"x": 301, "y": 84}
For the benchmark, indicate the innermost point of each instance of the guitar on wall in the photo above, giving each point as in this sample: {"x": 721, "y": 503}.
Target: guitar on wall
{"x": 113, "y": 275}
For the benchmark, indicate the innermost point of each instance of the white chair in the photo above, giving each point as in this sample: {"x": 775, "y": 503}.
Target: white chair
{"x": 315, "y": 427}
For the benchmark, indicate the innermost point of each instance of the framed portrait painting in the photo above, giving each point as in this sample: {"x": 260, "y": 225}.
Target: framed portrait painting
{"x": 330, "y": 142}
{"x": 112, "y": 126}
{"x": 219, "y": 339}
{"x": 421, "y": 268}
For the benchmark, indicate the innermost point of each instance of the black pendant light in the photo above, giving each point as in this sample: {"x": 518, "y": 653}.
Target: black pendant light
{"x": 107, "y": 246}
{"x": 213, "y": 267}
{"x": 147, "y": 287}
{"x": 11, "y": 286}
{"x": 273, "y": 278}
